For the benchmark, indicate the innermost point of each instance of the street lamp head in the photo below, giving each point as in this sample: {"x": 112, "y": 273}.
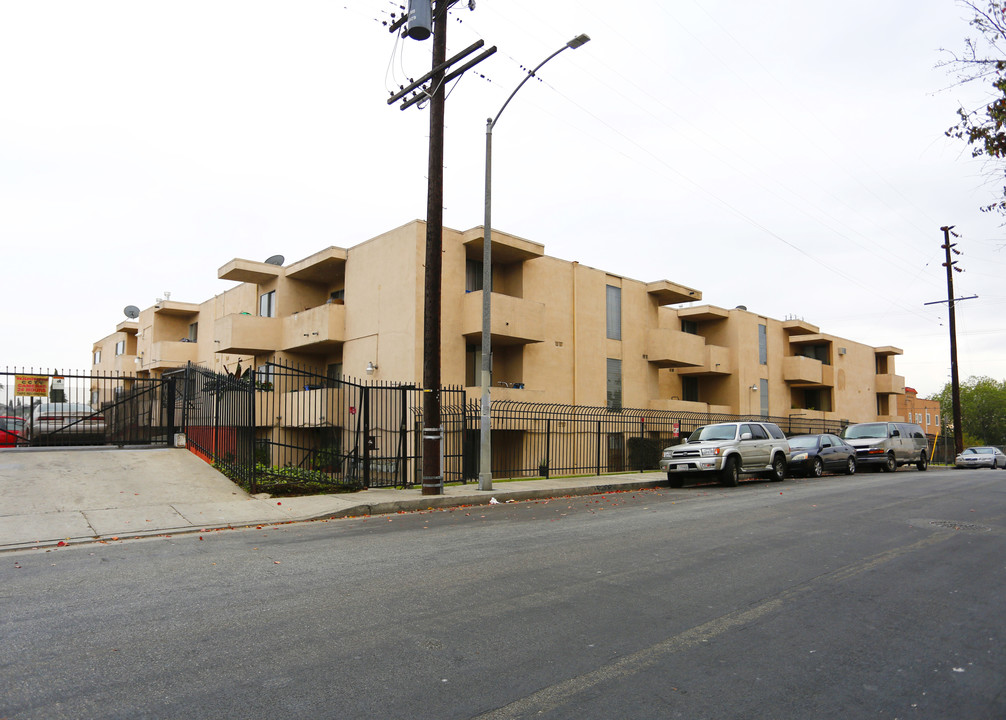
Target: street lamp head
{"x": 578, "y": 41}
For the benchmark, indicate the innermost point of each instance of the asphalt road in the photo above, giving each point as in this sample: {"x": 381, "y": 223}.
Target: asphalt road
{"x": 875, "y": 596}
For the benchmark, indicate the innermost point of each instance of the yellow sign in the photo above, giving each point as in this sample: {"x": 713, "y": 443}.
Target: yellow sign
{"x": 31, "y": 385}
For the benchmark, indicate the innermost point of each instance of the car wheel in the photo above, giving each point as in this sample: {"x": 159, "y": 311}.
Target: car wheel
{"x": 890, "y": 464}
{"x": 675, "y": 480}
{"x": 850, "y": 466}
{"x": 730, "y": 473}
{"x": 923, "y": 463}
{"x": 778, "y": 471}
{"x": 816, "y": 467}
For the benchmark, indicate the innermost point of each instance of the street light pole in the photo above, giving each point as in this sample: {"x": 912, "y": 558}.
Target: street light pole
{"x": 485, "y": 447}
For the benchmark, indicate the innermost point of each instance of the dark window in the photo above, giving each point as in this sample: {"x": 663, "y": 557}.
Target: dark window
{"x": 120, "y": 347}
{"x": 473, "y": 275}
{"x": 758, "y": 432}
{"x": 690, "y": 326}
{"x": 194, "y": 332}
{"x": 763, "y": 344}
{"x": 689, "y": 388}
{"x": 473, "y": 365}
{"x": 614, "y": 394}
{"x": 334, "y": 374}
{"x": 267, "y": 304}
{"x": 763, "y": 393}
{"x": 613, "y": 306}
{"x": 338, "y": 295}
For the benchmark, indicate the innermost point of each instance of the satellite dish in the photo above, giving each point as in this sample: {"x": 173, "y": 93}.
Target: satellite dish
{"x": 131, "y": 311}
{"x": 275, "y": 260}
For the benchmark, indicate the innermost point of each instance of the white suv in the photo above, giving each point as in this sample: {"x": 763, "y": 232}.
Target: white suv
{"x": 726, "y": 450}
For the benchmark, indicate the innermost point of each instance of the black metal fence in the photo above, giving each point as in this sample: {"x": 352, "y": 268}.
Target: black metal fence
{"x": 287, "y": 429}
{"x": 531, "y": 439}
{"x": 49, "y": 407}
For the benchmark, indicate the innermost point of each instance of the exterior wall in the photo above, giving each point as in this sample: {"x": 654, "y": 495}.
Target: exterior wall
{"x": 919, "y": 410}
{"x": 348, "y": 308}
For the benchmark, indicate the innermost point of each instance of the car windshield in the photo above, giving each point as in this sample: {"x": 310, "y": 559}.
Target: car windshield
{"x": 714, "y": 432}
{"x": 867, "y": 430}
{"x": 978, "y": 451}
{"x": 803, "y": 441}
{"x": 11, "y": 423}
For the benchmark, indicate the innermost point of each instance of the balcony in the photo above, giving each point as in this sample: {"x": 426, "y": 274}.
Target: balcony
{"x": 125, "y": 364}
{"x": 890, "y": 384}
{"x": 320, "y": 329}
{"x": 513, "y": 321}
{"x": 717, "y": 362}
{"x": 801, "y": 370}
{"x": 667, "y": 348}
{"x": 170, "y": 354}
{"x": 247, "y": 334}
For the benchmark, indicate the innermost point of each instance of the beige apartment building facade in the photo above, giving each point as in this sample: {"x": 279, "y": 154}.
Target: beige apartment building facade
{"x": 562, "y": 333}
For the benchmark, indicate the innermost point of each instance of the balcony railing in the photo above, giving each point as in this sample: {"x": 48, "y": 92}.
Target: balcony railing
{"x": 890, "y": 384}
{"x": 170, "y": 354}
{"x": 717, "y": 362}
{"x": 667, "y": 348}
{"x": 318, "y": 329}
{"x": 241, "y": 333}
{"x": 513, "y": 320}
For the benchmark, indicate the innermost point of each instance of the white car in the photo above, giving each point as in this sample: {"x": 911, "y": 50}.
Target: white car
{"x": 65, "y": 424}
{"x": 979, "y": 457}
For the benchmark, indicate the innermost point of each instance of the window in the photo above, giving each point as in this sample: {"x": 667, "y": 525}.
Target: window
{"x": 267, "y": 304}
{"x": 763, "y": 344}
{"x": 97, "y": 356}
{"x": 918, "y": 417}
{"x": 473, "y": 365}
{"x": 614, "y": 394}
{"x": 763, "y": 393}
{"x": 265, "y": 375}
{"x": 690, "y": 326}
{"x": 613, "y": 310}
{"x": 194, "y": 332}
{"x": 937, "y": 418}
{"x": 95, "y": 397}
{"x": 473, "y": 275}
{"x": 120, "y": 347}
{"x": 338, "y": 295}
{"x": 689, "y": 388}
{"x": 928, "y": 419}
{"x": 334, "y": 374}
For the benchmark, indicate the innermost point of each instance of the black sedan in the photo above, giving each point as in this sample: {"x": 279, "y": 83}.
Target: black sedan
{"x": 811, "y": 455}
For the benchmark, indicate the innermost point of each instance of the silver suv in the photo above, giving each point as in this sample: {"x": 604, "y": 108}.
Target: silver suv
{"x": 888, "y": 444}
{"x": 726, "y": 450}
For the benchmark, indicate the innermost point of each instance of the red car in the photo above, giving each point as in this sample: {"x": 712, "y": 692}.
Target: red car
{"x": 11, "y": 431}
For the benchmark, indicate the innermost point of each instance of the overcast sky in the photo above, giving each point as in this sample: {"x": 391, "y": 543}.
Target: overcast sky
{"x": 787, "y": 156}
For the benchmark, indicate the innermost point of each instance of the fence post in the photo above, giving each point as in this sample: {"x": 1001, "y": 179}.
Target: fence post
{"x": 170, "y": 392}
{"x": 598, "y": 447}
{"x": 216, "y": 414}
{"x": 365, "y": 411}
{"x": 548, "y": 447}
{"x": 253, "y": 478}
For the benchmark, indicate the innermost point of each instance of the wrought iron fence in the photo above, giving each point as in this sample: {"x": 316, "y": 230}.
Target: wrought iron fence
{"x": 47, "y": 407}
{"x": 530, "y": 439}
{"x": 287, "y": 428}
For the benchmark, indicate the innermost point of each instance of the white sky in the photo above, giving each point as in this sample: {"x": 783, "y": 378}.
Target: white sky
{"x": 787, "y": 156}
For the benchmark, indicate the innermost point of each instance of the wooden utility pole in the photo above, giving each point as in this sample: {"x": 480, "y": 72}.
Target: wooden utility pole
{"x": 955, "y": 383}
{"x": 438, "y": 77}
{"x": 433, "y": 478}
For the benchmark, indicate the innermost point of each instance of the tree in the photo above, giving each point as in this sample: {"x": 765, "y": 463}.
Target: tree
{"x": 984, "y": 61}
{"x": 983, "y": 409}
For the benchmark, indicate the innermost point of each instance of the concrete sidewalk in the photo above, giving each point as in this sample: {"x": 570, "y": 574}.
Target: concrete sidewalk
{"x": 86, "y": 494}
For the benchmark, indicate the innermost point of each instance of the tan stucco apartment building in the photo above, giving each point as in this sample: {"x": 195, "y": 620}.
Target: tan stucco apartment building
{"x": 561, "y": 332}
